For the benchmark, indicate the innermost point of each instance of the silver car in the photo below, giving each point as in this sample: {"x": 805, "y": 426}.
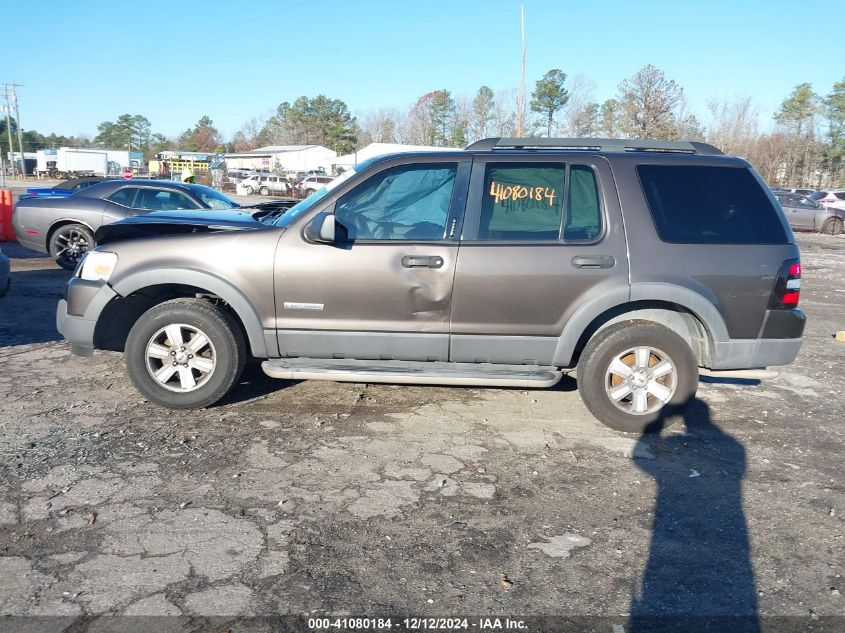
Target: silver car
{"x": 64, "y": 227}
{"x": 805, "y": 214}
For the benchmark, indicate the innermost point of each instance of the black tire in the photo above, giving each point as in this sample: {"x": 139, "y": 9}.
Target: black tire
{"x": 264, "y": 191}
{"x": 595, "y": 378}
{"x": 68, "y": 243}
{"x": 249, "y": 190}
{"x": 226, "y": 340}
{"x": 832, "y": 226}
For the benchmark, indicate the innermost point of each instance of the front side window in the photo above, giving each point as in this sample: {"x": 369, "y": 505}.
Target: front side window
{"x": 162, "y": 200}
{"x": 710, "y": 205}
{"x": 409, "y": 202}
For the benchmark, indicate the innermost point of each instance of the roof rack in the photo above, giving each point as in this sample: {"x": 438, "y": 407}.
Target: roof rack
{"x": 596, "y": 144}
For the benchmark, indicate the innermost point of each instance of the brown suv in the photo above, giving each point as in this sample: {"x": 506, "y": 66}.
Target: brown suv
{"x": 506, "y": 264}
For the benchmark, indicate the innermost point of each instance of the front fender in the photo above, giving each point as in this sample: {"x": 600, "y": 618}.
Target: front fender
{"x": 261, "y": 345}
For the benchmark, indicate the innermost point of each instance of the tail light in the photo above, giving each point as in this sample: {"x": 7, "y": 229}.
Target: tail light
{"x": 788, "y": 286}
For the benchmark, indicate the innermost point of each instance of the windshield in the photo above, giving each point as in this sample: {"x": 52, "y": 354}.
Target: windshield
{"x": 818, "y": 195}
{"x": 302, "y": 207}
{"x": 214, "y": 199}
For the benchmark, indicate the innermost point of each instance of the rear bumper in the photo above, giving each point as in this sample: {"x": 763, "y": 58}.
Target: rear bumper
{"x": 780, "y": 341}
{"x": 33, "y": 242}
{"x": 755, "y": 352}
{"x": 78, "y": 312}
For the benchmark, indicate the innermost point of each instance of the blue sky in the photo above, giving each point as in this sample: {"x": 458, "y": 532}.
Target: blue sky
{"x": 84, "y": 62}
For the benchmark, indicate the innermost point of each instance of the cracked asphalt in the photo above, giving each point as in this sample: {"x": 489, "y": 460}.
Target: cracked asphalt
{"x": 349, "y": 499}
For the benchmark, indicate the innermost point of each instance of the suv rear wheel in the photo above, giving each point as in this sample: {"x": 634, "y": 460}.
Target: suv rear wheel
{"x": 264, "y": 191}
{"x": 633, "y": 373}
{"x": 185, "y": 353}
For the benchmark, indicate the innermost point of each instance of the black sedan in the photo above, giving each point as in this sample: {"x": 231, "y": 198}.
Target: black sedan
{"x": 64, "y": 227}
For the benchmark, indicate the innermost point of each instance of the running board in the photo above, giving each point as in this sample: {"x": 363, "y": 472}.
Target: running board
{"x": 412, "y": 372}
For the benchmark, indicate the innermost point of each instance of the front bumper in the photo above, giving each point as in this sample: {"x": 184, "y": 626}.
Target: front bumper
{"x": 77, "y": 314}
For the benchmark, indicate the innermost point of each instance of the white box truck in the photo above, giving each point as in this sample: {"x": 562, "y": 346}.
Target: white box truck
{"x": 73, "y": 162}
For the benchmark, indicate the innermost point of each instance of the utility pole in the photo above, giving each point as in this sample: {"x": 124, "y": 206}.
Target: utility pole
{"x": 20, "y": 133}
{"x": 7, "y": 110}
{"x": 520, "y": 98}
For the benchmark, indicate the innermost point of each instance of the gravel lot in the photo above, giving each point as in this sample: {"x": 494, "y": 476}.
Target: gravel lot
{"x": 327, "y": 498}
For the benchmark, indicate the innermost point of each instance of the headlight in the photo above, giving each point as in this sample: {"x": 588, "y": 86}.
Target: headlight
{"x": 98, "y": 265}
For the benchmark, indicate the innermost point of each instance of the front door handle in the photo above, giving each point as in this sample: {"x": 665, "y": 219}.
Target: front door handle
{"x": 593, "y": 261}
{"x": 422, "y": 261}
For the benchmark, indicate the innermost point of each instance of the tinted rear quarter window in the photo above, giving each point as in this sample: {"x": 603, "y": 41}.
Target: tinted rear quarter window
{"x": 123, "y": 196}
{"x": 710, "y": 205}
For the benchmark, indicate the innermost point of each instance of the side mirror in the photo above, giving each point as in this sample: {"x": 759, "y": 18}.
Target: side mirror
{"x": 321, "y": 229}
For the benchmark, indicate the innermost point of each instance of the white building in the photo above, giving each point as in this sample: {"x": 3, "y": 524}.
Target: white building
{"x": 378, "y": 149}
{"x": 281, "y": 158}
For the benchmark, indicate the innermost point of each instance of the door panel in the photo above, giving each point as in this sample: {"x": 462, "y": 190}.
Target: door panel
{"x": 512, "y": 299}
{"x": 384, "y": 290}
{"x": 800, "y": 217}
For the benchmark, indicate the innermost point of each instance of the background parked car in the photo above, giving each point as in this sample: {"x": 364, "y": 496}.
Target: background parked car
{"x": 803, "y": 192}
{"x": 5, "y": 275}
{"x": 830, "y": 197}
{"x": 806, "y": 214}
{"x": 64, "y": 188}
{"x": 314, "y": 183}
{"x": 265, "y": 185}
{"x": 64, "y": 227}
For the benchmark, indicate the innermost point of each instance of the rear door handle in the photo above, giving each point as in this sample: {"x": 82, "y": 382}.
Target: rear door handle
{"x": 422, "y": 261}
{"x": 593, "y": 261}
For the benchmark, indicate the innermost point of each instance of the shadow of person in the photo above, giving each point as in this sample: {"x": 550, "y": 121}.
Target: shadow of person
{"x": 698, "y": 576}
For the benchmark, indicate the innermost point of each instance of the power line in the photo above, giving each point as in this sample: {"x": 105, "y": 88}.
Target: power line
{"x": 11, "y": 88}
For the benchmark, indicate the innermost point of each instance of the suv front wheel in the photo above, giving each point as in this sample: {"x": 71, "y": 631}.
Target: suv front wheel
{"x": 633, "y": 373}
{"x": 185, "y": 353}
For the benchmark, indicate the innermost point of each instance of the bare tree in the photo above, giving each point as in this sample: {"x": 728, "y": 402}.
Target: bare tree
{"x": 504, "y": 113}
{"x": 581, "y": 113}
{"x": 733, "y": 125}
{"x": 382, "y": 125}
{"x": 648, "y": 102}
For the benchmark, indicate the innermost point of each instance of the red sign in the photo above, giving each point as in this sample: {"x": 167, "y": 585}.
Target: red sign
{"x": 127, "y": 173}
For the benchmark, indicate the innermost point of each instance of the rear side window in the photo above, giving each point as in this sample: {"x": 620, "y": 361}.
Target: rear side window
{"x": 522, "y": 202}
{"x": 583, "y": 215}
{"x": 710, "y": 205}
{"x": 527, "y": 201}
{"x": 818, "y": 195}
{"x": 123, "y": 196}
